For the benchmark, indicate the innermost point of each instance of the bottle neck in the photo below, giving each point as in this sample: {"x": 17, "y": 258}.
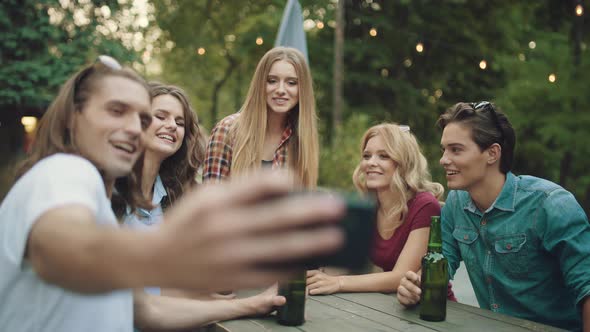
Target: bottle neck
{"x": 435, "y": 238}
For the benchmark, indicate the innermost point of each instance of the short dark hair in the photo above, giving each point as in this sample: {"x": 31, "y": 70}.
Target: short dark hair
{"x": 488, "y": 125}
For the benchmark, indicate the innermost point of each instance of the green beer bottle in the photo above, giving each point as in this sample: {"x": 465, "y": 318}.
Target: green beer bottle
{"x": 293, "y": 312}
{"x": 433, "y": 301}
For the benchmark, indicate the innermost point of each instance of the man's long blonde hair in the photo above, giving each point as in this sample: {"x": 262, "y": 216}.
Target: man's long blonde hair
{"x": 411, "y": 175}
{"x": 250, "y": 127}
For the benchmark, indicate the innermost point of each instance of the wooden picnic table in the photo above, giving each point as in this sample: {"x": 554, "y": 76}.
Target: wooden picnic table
{"x": 381, "y": 312}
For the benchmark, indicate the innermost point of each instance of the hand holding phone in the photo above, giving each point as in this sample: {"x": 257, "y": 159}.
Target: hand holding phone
{"x": 358, "y": 227}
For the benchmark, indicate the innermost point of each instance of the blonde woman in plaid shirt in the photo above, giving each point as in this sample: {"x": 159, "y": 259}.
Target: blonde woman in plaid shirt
{"x": 276, "y": 125}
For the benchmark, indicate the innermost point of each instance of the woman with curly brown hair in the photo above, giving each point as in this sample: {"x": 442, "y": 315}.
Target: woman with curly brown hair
{"x": 174, "y": 149}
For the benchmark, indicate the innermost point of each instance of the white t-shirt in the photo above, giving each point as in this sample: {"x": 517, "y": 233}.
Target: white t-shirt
{"x": 28, "y": 303}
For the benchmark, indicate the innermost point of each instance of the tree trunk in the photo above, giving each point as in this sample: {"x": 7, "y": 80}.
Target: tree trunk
{"x": 232, "y": 64}
{"x": 338, "y": 74}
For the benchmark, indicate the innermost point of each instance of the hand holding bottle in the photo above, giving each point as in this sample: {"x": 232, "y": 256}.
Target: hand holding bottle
{"x": 408, "y": 292}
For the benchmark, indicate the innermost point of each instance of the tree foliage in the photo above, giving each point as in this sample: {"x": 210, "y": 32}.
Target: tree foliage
{"x": 43, "y": 42}
{"x": 471, "y": 50}
{"x": 226, "y": 31}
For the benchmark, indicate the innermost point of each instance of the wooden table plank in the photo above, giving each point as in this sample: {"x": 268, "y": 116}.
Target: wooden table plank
{"x": 352, "y": 309}
{"x": 380, "y": 312}
{"x": 460, "y": 317}
{"x": 335, "y": 315}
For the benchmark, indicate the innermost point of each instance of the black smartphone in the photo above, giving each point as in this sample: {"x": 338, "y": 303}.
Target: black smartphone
{"x": 358, "y": 226}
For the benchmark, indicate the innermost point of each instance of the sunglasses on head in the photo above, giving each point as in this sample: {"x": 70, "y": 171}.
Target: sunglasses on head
{"x": 404, "y": 128}
{"x": 487, "y": 106}
{"x": 101, "y": 60}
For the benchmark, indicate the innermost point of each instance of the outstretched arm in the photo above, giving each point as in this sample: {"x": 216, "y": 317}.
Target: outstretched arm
{"x": 67, "y": 248}
{"x": 152, "y": 312}
{"x": 220, "y": 237}
{"x": 387, "y": 282}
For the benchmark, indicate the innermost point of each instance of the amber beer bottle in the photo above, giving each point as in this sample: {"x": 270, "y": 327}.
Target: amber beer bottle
{"x": 293, "y": 312}
{"x": 433, "y": 301}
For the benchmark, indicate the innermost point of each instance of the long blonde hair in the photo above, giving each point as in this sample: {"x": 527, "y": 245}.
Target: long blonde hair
{"x": 250, "y": 127}
{"x": 411, "y": 175}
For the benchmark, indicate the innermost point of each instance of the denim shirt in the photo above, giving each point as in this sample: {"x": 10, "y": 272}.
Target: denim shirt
{"x": 528, "y": 255}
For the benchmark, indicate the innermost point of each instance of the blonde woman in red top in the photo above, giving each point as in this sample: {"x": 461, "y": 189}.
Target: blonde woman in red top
{"x": 392, "y": 168}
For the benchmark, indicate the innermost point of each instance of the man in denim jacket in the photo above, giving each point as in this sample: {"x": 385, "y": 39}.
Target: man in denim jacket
{"x": 525, "y": 241}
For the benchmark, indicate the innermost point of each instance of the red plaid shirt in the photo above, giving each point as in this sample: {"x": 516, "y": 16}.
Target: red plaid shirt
{"x": 220, "y": 149}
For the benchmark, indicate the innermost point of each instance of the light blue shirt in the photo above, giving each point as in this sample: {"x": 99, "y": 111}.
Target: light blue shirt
{"x": 528, "y": 255}
{"x": 144, "y": 219}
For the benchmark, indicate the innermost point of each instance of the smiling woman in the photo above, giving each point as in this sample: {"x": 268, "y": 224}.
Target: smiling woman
{"x": 392, "y": 168}
{"x": 174, "y": 150}
{"x": 276, "y": 125}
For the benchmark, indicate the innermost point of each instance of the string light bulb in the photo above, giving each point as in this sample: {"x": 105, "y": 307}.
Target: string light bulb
{"x": 201, "y": 51}
{"x": 259, "y": 41}
{"x": 373, "y": 32}
{"x": 483, "y": 64}
{"x": 532, "y": 44}
{"x": 579, "y": 10}
{"x": 419, "y": 47}
{"x": 320, "y": 25}
{"x": 552, "y": 78}
{"x": 29, "y": 122}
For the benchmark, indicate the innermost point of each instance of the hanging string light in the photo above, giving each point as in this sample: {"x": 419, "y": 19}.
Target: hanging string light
{"x": 532, "y": 44}
{"x": 579, "y": 10}
{"x": 259, "y": 41}
{"x": 29, "y": 122}
{"x": 552, "y": 78}
{"x": 483, "y": 64}
{"x": 201, "y": 51}
{"x": 420, "y": 47}
{"x": 373, "y": 32}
